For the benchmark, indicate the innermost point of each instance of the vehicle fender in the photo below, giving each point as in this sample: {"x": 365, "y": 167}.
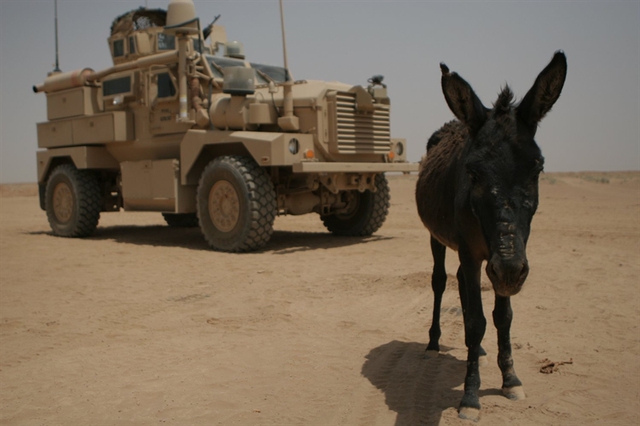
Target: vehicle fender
{"x": 199, "y": 147}
{"x": 83, "y": 157}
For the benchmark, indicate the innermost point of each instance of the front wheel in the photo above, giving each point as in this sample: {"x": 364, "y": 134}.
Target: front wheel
{"x": 365, "y": 211}
{"x": 73, "y": 201}
{"x": 236, "y": 204}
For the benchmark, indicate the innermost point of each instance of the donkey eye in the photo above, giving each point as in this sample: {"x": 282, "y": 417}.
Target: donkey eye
{"x": 539, "y": 169}
{"x": 474, "y": 176}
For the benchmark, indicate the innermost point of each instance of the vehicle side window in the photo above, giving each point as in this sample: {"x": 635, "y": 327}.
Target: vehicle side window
{"x": 118, "y": 48}
{"x": 116, "y": 86}
{"x": 166, "y": 88}
{"x": 166, "y": 42}
{"x": 200, "y": 47}
{"x": 132, "y": 45}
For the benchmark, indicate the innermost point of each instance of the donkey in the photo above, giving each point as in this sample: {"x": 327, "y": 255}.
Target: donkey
{"x": 477, "y": 192}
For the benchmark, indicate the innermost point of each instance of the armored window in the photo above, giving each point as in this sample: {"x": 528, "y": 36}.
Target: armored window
{"x": 199, "y": 46}
{"x": 277, "y": 74}
{"x": 132, "y": 45}
{"x": 166, "y": 88}
{"x": 218, "y": 64}
{"x": 166, "y": 42}
{"x": 118, "y": 48}
{"x": 116, "y": 86}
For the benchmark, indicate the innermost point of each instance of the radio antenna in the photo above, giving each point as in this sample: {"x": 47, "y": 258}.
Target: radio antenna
{"x": 55, "y": 8}
{"x": 288, "y": 122}
{"x": 284, "y": 40}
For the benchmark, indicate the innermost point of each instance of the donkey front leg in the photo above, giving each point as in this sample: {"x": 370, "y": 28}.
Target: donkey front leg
{"x": 502, "y": 316}
{"x": 438, "y": 284}
{"x": 474, "y": 326}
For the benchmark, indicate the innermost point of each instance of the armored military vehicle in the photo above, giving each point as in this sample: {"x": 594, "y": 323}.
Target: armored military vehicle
{"x": 184, "y": 125}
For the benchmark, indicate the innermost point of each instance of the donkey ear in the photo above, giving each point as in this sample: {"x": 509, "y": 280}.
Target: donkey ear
{"x": 545, "y": 91}
{"x": 462, "y": 100}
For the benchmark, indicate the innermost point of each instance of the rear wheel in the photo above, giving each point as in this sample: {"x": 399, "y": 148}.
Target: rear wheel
{"x": 181, "y": 220}
{"x": 236, "y": 204}
{"x": 365, "y": 212}
{"x": 73, "y": 201}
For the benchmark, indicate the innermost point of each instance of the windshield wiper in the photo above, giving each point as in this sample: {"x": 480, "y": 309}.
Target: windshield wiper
{"x": 265, "y": 76}
{"x": 217, "y": 67}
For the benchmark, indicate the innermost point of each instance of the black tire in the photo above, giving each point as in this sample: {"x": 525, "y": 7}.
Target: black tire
{"x": 181, "y": 220}
{"x": 236, "y": 204}
{"x": 366, "y": 213}
{"x": 73, "y": 201}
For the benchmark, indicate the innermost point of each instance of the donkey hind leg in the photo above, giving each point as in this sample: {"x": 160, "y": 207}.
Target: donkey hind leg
{"x": 502, "y": 316}
{"x": 438, "y": 284}
{"x": 474, "y": 327}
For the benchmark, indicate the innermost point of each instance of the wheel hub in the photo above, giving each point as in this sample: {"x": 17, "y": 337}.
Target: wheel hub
{"x": 62, "y": 202}
{"x": 224, "y": 206}
{"x": 352, "y": 200}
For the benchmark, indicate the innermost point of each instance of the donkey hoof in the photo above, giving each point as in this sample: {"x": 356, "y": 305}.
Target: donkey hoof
{"x": 469, "y": 413}
{"x": 431, "y": 354}
{"x": 515, "y": 393}
{"x": 483, "y": 360}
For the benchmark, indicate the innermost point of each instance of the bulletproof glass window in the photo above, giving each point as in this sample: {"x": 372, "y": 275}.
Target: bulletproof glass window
{"x": 218, "y": 64}
{"x": 132, "y": 45}
{"x": 197, "y": 46}
{"x": 166, "y": 89}
{"x": 118, "y": 48}
{"x": 166, "y": 42}
{"x": 116, "y": 86}
{"x": 277, "y": 74}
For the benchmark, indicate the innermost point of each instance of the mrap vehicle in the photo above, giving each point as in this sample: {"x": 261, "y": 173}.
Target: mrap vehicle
{"x": 210, "y": 140}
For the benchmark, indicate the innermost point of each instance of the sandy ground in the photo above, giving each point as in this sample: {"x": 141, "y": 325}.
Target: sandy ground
{"x": 143, "y": 324}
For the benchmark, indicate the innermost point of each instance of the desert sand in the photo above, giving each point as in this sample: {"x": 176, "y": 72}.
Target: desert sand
{"x": 142, "y": 324}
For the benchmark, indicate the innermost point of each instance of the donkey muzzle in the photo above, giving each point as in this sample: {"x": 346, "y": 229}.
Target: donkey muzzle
{"x": 507, "y": 274}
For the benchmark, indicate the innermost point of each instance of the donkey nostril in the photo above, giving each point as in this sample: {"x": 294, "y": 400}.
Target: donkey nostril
{"x": 495, "y": 271}
{"x": 524, "y": 272}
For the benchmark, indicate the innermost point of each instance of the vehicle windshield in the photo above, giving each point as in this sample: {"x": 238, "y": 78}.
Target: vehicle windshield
{"x": 264, "y": 73}
{"x": 277, "y": 74}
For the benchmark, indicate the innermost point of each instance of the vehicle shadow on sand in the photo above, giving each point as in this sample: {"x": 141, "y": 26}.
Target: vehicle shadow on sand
{"x": 418, "y": 389}
{"x": 282, "y": 242}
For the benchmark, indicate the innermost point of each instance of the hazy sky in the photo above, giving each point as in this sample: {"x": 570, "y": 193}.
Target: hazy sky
{"x": 594, "y": 126}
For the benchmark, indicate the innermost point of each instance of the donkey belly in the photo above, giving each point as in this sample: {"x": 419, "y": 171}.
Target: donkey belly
{"x": 435, "y": 207}
{"x": 436, "y": 187}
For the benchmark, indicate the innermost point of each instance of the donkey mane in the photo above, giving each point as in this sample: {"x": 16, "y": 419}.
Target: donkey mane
{"x": 504, "y": 104}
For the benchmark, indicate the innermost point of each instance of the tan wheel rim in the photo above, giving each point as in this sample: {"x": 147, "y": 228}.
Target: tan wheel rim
{"x": 224, "y": 206}
{"x": 353, "y": 204}
{"x": 62, "y": 202}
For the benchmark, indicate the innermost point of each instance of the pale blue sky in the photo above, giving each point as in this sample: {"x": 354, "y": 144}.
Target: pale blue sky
{"x": 594, "y": 126}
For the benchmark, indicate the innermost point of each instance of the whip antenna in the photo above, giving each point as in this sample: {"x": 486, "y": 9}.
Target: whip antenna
{"x": 284, "y": 40}
{"x": 55, "y": 8}
{"x": 288, "y": 122}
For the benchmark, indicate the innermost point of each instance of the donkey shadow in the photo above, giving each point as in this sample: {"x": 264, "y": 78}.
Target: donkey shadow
{"x": 418, "y": 389}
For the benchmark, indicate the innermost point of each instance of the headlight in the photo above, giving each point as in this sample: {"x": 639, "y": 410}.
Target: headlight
{"x": 294, "y": 146}
{"x": 399, "y": 148}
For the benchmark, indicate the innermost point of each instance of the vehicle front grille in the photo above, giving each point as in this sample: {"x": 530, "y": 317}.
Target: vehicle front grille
{"x": 360, "y": 132}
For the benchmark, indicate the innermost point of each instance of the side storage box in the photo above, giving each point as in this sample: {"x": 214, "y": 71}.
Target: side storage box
{"x": 102, "y": 128}
{"x": 72, "y": 103}
{"x": 55, "y": 134}
{"x": 115, "y": 126}
{"x": 155, "y": 186}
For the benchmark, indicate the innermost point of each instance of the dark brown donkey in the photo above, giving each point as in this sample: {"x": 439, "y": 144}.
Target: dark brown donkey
{"x": 477, "y": 193}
